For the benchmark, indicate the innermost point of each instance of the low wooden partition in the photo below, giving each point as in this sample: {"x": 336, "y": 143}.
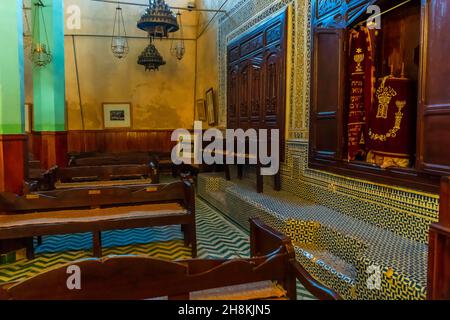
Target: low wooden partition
{"x": 119, "y": 141}
{"x": 136, "y": 277}
{"x": 439, "y": 249}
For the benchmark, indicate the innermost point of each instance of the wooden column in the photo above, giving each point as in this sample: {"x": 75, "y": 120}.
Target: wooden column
{"x": 439, "y": 249}
{"x": 51, "y": 148}
{"x": 13, "y": 151}
{"x": 12, "y": 138}
{"x": 49, "y": 110}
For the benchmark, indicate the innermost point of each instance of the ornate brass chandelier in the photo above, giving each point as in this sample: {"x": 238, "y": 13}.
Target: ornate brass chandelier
{"x": 158, "y": 20}
{"x": 119, "y": 42}
{"x": 40, "y": 49}
{"x": 150, "y": 58}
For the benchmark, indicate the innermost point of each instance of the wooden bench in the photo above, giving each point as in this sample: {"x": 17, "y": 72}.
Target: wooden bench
{"x": 102, "y": 159}
{"x": 71, "y": 211}
{"x": 270, "y": 273}
{"x": 93, "y": 176}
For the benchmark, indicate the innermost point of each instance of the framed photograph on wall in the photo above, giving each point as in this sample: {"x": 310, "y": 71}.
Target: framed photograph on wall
{"x": 210, "y": 107}
{"x": 201, "y": 110}
{"x": 117, "y": 116}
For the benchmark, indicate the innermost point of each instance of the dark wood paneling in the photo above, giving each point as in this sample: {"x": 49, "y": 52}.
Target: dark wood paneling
{"x": 117, "y": 141}
{"x": 49, "y": 147}
{"x": 13, "y": 155}
{"x": 439, "y": 249}
{"x": 434, "y": 113}
{"x": 327, "y": 94}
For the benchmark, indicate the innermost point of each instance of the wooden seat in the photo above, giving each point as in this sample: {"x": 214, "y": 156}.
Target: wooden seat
{"x": 122, "y": 207}
{"x": 92, "y": 220}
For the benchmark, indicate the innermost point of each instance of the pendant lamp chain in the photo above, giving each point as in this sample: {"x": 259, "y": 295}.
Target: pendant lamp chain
{"x": 178, "y": 48}
{"x": 119, "y": 41}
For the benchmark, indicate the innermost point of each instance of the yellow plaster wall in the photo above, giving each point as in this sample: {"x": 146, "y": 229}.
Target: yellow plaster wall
{"x": 160, "y": 100}
{"x": 207, "y": 66}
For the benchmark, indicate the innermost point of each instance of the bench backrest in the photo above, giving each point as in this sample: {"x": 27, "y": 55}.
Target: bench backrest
{"x": 180, "y": 191}
{"x": 133, "y": 277}
{"x": 99, "y": 159}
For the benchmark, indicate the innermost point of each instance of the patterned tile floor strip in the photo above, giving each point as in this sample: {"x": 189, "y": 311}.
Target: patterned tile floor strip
{"x": 217, "y": 236}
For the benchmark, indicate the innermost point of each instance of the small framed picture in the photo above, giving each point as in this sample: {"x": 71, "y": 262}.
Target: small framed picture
{"x": 210, "y": 106}
{"x": 28, "y": 117}
{"x": 201, "y": 110}
{"x": 117, "y": 115}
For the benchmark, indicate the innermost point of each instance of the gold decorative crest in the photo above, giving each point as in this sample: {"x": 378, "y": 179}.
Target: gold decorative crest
{"x": 392, "y": 133}
{"x": 359, "y": 58}
{"x": 384, "y": 95}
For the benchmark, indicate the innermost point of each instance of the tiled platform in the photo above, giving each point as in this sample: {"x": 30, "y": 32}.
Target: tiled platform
{"x": 337, "y": 248}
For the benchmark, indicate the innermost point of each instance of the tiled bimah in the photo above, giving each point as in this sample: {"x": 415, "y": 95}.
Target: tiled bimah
{"x": 341, "y": 250}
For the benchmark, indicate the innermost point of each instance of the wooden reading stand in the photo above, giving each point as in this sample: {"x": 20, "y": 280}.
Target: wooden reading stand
{"x": 70, "y": 211}
{"x": 134, "y": 277}
{"x": 248, "y": 160}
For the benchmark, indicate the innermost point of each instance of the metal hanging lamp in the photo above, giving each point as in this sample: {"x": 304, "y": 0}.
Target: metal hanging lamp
{"x": 178, "y": 48}
{"x": 40, "y": 48}
{"x": 150, "y": 58}
{"x": 158, "y": 20}
{"x": 119, "y": 41}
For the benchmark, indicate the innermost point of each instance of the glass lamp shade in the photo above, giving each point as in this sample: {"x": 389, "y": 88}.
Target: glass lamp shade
{"x": 178, "y": 50}
{"x": 40, "y": 55}
{"x": 119, "y": 47}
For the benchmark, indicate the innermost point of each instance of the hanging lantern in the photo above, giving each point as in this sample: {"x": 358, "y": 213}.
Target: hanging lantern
{"x": 40, "y": 48}
{"x": 150, "y": 58}
{"x": 158, "y": 20}
{"x": 177, "y": 48}
{"x": 119, "y": 42}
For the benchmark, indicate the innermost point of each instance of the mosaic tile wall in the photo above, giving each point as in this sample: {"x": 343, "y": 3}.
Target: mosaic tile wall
{"x": 336, "y": 248}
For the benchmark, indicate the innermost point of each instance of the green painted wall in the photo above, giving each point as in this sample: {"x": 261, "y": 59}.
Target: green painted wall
{"x": 11, "y": 68}
{"x": 49, "y": 81}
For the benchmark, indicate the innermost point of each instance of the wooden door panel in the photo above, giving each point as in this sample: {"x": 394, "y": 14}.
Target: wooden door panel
{"x": 434, "y": 114}
{"x": 273, "y": 73}
{"x": 328, "y": 94}
{"x": 244, "y": 94}
{"x": 232, "y": 101}
{"x": 256, "y": 90}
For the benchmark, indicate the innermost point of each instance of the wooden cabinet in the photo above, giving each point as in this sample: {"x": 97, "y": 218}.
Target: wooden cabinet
{"x": 434, "y": 104}
{"x": 332, "y": 21}
{"x": 257, "y": 78}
